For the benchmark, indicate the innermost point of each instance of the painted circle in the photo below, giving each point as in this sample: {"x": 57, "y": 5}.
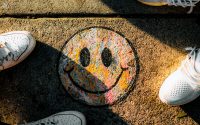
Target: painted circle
{"x": 98, "y": 66}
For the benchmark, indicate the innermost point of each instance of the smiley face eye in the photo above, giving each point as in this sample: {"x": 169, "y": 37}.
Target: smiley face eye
{"x": 106, "y": 57}
{"x": 85, "y": 57}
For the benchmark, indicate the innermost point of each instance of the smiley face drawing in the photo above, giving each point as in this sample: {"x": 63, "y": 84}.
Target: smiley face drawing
{"x": 98, "y": 66}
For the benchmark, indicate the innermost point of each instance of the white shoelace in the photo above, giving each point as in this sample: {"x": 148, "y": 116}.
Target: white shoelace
{"x": 6, "y": 53}
{"x": 188, "y": 65}
{"x": 184, "y": 3}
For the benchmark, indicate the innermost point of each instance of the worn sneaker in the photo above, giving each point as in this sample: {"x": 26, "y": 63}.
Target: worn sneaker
{"x": 183, "y": 3}
{"x": 62, "y": 118}
{"x": 183, "y": 86}
{"x": 15, "y": 47}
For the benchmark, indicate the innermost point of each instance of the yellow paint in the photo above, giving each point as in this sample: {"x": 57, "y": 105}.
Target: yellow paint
{"x": 98, "y": 71}
{"x": 124, "y": 82}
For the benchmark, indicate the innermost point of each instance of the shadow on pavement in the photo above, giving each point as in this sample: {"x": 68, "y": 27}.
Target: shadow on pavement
{"x": 130, "y": 6}
{"x": 33, "y": 90}
{"x": 178, "y": 33}
{"x": 175, "y": 32}
{"x": 192, "y": 109}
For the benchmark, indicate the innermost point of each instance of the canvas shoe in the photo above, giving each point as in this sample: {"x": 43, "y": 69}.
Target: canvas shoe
{"x": 62, "y": 118}
{"x": 183, "y": 3}
{"x": 15, "y": 47}
{"x": 183, "y": 86}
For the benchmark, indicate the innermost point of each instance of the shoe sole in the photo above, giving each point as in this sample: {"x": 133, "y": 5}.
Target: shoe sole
{"x": 29, "y": 49}
{"x": 177, "y": 103}
{"x": 153, "y": 3}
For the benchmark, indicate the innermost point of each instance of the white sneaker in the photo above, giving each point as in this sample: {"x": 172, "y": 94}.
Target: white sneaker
{"x": 183, "y": 3}
{"x": 15, "y": 47}
{"x": 62, "y": 118}
{"x": 183, "y": 86}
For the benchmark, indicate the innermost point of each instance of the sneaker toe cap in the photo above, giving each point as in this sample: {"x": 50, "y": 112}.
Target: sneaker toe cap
{"x": 176, "y": 90}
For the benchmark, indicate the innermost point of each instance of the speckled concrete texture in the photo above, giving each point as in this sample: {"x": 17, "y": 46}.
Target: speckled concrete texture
{"x": 32, "y": 90}
{"x": 55, "y": 7}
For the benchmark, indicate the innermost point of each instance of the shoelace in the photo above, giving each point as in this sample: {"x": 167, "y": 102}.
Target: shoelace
{"x": 14, "y": 55}
{"x": 188, "y": 65}
{"x": 184, "y": 3}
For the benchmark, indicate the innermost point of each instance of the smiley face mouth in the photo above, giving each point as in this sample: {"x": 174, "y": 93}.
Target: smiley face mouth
{"x": 94, "y": 92}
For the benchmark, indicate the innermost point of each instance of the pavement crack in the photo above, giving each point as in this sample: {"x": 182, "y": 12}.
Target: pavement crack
{"x": 93, "y": 15}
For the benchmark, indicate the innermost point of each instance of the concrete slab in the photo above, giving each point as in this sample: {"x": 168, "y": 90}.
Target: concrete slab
{"x": 32, "y": 90}
{"x": 64, "y": 7}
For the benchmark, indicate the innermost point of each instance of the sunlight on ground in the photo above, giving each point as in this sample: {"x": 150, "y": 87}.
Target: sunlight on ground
{"x": 6, "y": 108}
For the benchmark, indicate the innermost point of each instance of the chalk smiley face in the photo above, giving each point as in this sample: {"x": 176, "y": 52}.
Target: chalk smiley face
{"x": 98, "y": 66}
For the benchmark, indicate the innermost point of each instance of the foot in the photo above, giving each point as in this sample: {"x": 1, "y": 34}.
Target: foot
{"x": 183, "y": 3}
{"x": 15, "y": 47}
{"x": 62, "y": 118}
{"x": 183, "y": 86}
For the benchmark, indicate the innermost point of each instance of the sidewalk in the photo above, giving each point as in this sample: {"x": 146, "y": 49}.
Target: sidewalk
{"x": 106, "y": 7}
{"x": 32, "y": 90}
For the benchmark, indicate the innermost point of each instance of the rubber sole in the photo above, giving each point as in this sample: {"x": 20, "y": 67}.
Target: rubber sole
{"x": 153, "y": 3}
{"x": 181, "y": 102}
